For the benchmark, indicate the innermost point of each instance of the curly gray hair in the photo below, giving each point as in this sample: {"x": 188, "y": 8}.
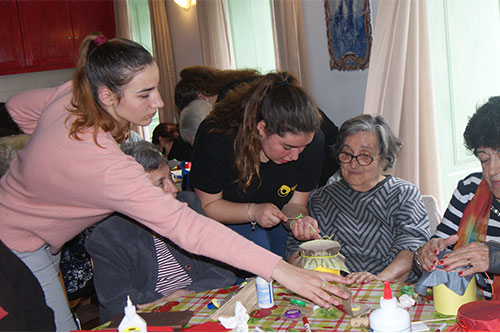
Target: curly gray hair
{"x": 389, "y": 144}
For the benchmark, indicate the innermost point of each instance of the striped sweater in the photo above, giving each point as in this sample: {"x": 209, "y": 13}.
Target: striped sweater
{"x": 372, "y": 227}
{"x": 449, "y": 225}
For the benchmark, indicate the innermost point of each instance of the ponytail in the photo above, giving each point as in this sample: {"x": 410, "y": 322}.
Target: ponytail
{"x": 103, "y": 63}
{"x": 276, "y": 99}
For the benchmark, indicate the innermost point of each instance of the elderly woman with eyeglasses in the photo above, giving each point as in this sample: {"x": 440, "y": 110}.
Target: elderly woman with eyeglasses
{"x": 378, "y": 219}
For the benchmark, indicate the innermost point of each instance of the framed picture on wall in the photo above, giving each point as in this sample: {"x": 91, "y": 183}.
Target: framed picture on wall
{"x": 349, "y": 31}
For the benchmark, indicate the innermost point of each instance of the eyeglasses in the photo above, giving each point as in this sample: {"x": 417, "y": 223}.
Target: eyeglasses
{"x": 362, "y": 159}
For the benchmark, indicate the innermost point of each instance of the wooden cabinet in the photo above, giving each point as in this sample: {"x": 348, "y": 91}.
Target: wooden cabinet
{"x": 45, "y": 35}
{"x": 11, "y": 50}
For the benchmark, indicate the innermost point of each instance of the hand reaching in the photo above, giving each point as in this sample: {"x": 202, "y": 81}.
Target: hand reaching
{"x": 310, "y": 284}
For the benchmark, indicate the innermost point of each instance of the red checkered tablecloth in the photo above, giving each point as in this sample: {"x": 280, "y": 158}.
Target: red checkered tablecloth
{"x": 320, "y": 319}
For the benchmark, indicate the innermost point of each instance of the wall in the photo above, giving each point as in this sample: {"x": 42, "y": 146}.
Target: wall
{"x": 185, "y": 36}
{"x": 341, "y": 95}
{"x": 10, "y": 84}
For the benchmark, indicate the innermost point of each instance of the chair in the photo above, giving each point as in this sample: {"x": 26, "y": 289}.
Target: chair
{"x": 432, "y": 208}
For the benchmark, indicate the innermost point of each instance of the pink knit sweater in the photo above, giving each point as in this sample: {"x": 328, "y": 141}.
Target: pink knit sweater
{"x": 57, "y": 186}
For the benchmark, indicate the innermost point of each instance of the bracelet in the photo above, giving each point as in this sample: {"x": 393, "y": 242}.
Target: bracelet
{"x": 415, "y": 256}
{"x": 252, "y": 222}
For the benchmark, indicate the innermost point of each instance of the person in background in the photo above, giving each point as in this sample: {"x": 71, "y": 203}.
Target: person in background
{"x": 72, "y": 174}
{"x": 257, "y": 158}
{"x": 471, "y": 224}
{"x": 379, "y": 220}
{"x": 212, "y": 84}
{"x": 22, "y": 302}
{"x": 130, "y": 259}
{"x": 191, "y": 118}
{"x": 208, "y": 83}
{"x": 9, "y": 146}
{"x": 166, "y": 138}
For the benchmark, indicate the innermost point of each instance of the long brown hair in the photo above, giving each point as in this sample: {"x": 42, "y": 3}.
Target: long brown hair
{"x": 275, "y": 98}
{"x": 208, "y": 81}
{"x": 102, "y": 63}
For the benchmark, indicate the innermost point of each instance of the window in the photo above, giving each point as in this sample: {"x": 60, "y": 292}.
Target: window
{"x": 141, "y": 33}
{"x": 252, "y": 34}
{"x": 465, "y": 56}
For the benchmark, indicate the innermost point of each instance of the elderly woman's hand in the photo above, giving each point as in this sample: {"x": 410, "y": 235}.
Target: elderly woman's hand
{"x": 475, "y": 255}
{"x": 361, "y": 277}
{"x": 427, "y": 255}
{"x": 305, "y": 228}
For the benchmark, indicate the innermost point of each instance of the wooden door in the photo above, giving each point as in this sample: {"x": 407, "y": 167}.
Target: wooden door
{"x": 47, "y": 33}
{"x": 90, "y": 16}
{"x": 11, "y": 50}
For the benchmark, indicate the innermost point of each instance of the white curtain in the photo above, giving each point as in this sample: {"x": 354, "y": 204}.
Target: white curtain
{"x": 162, "y": 46}
{"x": 399, "y": 88}
{"x": 215, "y": 34}
{"x": 289, "y": 39}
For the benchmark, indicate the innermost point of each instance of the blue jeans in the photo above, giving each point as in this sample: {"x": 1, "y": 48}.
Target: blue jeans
{"x": 45, "y": 267}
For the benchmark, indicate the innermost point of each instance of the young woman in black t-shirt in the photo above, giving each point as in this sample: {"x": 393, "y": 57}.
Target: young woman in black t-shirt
{"x": 257, "y": 158}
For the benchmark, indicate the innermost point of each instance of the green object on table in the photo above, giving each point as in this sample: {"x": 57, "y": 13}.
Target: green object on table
{"x": 408, "y": 290}
{"x": 297, "y": 302}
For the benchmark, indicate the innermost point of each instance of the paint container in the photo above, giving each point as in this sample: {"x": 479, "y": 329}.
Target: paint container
{"x": 265, "y": 295}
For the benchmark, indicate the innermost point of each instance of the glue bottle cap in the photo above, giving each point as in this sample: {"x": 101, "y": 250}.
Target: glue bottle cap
{"x": 387, "y": 290}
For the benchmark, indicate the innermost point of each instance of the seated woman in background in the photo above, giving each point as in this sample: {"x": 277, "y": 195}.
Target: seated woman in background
{"x": 379, "y": 220}
{"x": 209, "y": 84}
{"x": 130, "y": 259}
{"x": 191, "y": 118}
{"x": 166, "y": 138}
{"x": 472, "y": 221}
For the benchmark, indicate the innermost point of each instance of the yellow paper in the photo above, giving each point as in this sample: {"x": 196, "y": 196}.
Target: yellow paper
{"x": 447, "y": 302}
{"x": 327, "y": 270}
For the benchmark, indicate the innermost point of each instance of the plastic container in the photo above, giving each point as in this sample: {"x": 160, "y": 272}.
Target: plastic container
{"x": 132, "y": 322}
{"x": 265, "y": 295}
{"x": 389, "y": 317}
{"x": 447, "y": 302}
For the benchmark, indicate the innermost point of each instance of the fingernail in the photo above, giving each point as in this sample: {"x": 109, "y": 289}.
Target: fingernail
{"x": 434, "y": 262}
{"x": 460, "y": 273}
{"x": 441, "y": 262}
{"x": 436, "y": 251}
{"x": 446, "y": 267}
{"x": 432, "y": 267}
{"x": 445, "y": 257}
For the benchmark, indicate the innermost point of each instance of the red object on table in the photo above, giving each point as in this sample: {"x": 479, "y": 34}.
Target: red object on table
{"x": 478, "y": 316}
{"x": 210, "y": 326}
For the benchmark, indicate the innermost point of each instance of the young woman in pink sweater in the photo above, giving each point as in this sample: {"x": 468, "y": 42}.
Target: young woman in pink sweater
{"x": 72, "y": 174}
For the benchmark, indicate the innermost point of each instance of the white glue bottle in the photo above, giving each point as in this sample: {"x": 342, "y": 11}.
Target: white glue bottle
{"x": 131, "y": 321}
{"x": 389, "y": 317}
{"x": 265, "y": 295}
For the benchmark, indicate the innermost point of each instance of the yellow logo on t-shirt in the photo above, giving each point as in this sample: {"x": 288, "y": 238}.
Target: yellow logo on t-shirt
{"x": 284, "y": 190}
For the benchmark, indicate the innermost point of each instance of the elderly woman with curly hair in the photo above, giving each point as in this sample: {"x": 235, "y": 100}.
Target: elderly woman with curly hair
{"x": 378, "y": 219}
{"x": 472, "y": 221}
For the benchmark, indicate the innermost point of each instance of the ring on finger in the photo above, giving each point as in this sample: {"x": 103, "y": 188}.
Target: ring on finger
{"x": 469, "y": 262}
{"x": 323, "y": 285}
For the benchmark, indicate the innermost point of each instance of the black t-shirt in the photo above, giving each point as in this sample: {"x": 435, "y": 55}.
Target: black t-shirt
{"x": 180, "y": 151}
{"x": 330, "y": 164}
{"x": 213, "y": 170}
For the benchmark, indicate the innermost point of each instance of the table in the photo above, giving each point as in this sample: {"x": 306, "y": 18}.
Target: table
{"x": 320, "y": 320}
